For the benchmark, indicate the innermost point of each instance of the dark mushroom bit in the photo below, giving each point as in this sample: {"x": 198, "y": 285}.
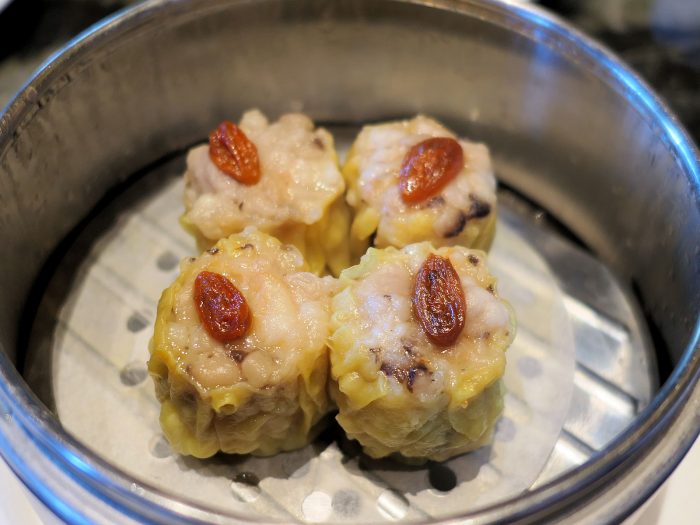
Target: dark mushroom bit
{"x": 477, "y": 210}
{"x": 405, "y": 375}
{"x": 406, "y": 372}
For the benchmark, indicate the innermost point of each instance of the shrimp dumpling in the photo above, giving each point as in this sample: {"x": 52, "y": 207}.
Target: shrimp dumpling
{"x": 413, "y": 180}
{"x": 281, "y": 177}
{"x": 417, "y": 351}
{"x": 239, "y": 356}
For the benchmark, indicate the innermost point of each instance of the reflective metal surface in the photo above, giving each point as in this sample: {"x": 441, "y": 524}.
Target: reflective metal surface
{"x": 96, "y": 317}
{"x": 569, "y": 128}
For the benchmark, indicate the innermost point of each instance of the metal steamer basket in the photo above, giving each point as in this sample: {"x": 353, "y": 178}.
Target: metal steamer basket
{"x": 598, "y": 249}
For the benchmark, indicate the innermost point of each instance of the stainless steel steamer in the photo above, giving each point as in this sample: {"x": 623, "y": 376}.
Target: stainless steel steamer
{"x": 570, "y": 127}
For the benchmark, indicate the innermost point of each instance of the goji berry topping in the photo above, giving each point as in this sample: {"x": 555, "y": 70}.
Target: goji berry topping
{"x": 428, "y": 167}
{"x": 438, "y": 300}
{"x": 222, "y": 308}
{"x": 234, "y": 154}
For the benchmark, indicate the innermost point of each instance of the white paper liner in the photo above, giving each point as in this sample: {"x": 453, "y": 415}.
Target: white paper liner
{"x": 104, "y": 398}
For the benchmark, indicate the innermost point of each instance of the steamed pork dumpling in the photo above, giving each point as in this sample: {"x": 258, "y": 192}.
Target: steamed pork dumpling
{"x": 239, "y": 355}
{"x": 414, "y": 180}
{"x": 417, "y": 351}
{"x": 281, "y": 177}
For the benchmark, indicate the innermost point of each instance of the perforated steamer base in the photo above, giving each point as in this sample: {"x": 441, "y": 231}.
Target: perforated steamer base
{"x": 578, "y": 372}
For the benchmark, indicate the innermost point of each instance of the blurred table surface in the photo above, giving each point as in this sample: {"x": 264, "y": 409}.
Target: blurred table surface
{"x": 660, "y": 39}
